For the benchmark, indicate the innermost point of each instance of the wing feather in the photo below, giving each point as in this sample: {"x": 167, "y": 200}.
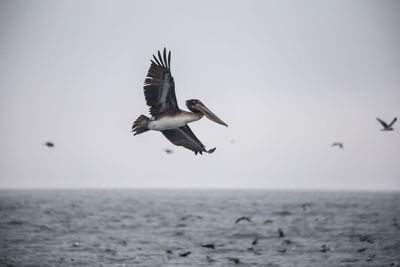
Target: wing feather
{"x": 184, "y": 136}
{"x": 159, "y": 86}
{"x": 382, "y": 122}
{"x": 393, "y": 121}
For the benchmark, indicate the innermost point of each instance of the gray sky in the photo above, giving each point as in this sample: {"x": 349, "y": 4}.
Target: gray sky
{"x": 289, "y": 77}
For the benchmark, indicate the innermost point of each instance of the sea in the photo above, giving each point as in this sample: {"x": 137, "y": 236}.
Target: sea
{"x": 199, "y": 228}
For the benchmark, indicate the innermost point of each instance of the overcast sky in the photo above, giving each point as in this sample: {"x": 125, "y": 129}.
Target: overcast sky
{"x": 289, "y": 77}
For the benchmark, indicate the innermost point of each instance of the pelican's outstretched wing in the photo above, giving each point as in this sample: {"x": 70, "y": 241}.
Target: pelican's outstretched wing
{"x": 183, "y": 136}
{"x": 393, "y": 121}
{"x": 383, "y": 123}
{"x": 159, "y": 86}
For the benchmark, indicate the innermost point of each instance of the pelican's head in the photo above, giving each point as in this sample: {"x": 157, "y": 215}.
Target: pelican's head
{"x": 195, "y": 105}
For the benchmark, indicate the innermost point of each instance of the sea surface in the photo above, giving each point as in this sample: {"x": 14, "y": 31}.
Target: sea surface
{"x": 161, "y": 227}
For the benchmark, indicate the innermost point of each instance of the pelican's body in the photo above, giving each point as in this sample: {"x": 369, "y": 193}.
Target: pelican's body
{"x": 166, "y": 116}
{"x": 169, "y": 122}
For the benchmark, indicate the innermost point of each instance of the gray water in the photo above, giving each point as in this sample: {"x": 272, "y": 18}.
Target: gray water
{"x": 153, "y": 227}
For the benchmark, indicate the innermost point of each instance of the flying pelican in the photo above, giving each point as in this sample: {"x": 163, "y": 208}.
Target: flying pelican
{"x": 166, "y": 117}
{"x": 387, "y": 127}
{"x": 338, "y": 144}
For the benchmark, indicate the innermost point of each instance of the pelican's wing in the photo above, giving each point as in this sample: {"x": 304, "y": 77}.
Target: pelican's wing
{"x": 183, "y": 136}
{"x": 159, "y": 86}
{"x": 383, "y": 123}
{"x": 393, "y": 121}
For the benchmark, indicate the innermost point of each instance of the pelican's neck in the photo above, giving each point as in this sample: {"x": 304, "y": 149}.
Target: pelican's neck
{"x": 191, "y": 116}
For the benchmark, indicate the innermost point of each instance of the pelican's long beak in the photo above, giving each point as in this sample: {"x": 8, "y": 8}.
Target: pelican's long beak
{"x": 203, "y": 109}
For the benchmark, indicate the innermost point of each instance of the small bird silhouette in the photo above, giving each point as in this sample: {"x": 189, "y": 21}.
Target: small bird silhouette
{"x": 49, "y": 144}
{"x": 387, "y": 127}
{"x": 338, "y": 144}
{"x": 168, "y": 151}
{"x": 243, "y": 218}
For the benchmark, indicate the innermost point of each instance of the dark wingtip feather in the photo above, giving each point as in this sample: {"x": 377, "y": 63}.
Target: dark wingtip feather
{"x": 158, "y": 63}
{"x": 160, "y": 58}
{"x": 211, "y": 150}
{"x": 165, "y": 58}
{"x": 169, "y": 60}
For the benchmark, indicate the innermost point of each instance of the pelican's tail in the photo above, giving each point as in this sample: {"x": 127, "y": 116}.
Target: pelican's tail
{"x": 140, "y": 125}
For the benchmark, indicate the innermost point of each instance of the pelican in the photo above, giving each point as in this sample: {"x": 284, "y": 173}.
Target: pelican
{"x": 338, "y": 144}
{"x": 166, "y": 116}
{"x": 387, "y": 127}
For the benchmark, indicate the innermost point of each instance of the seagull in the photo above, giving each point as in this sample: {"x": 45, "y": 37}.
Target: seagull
{"x": 49, "y": 144}
{"x": 166, "y": 116}
{"x": 387, "y": 127}
{"x": 338, "y": 144}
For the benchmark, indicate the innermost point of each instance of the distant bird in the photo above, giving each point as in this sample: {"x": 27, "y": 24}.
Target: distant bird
{"x": 212, "y": 246}
{"x": 338, "y": 144}
{"x": 168, "y": 151}
{"x": 387, "y": 127}
{"x": 255, "y": 241}
{"x": 268, "y": 221}
{"x": 166, "y": 117}
{"x": 49, "y": 144}
{"x": 185, "y": 254}
{"x": 243, "y": 218}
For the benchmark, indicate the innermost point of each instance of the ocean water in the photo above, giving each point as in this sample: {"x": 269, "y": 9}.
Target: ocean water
{"x": 160, "y": 227}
